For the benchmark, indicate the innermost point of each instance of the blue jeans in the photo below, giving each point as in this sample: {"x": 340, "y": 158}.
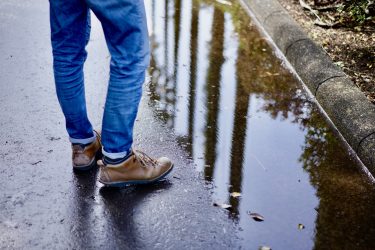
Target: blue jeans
{"x": 125, "y": 30}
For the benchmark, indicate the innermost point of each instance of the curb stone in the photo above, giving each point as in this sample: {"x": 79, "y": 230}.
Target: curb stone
{"x": 366, "y": 150}
{"x": 345, "y": 105}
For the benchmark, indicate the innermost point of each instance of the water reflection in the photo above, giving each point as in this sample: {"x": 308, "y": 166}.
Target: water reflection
{"x": 250, "y": 128}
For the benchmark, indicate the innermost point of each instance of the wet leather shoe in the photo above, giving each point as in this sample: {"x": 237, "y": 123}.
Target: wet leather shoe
{"x": 84, "y": 157}
{"x": 138, "y": 168}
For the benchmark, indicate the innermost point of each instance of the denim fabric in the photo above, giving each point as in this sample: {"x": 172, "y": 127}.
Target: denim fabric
{"x": 125, "y": 30}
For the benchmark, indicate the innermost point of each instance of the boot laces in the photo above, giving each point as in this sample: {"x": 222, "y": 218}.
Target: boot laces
{"x": 144, "y": 159}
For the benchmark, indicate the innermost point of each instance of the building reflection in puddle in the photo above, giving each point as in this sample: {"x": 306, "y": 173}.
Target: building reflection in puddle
{"x": 250, "y": 128}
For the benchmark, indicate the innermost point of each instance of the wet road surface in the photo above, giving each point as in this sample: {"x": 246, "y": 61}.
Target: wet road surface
{"x": 43, "y": 203}
{"x": 238, "y": 125}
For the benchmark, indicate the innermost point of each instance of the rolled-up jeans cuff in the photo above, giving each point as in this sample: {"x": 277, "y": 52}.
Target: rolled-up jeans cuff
{"x": 118, "y": 155}
{"x": 83, "y": 141}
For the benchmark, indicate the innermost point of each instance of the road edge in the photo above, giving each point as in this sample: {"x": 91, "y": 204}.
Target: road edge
{"x": 352, "y": 114}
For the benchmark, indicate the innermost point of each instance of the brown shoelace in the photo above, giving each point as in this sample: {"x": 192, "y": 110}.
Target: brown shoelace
{"x": 144, "y": 159}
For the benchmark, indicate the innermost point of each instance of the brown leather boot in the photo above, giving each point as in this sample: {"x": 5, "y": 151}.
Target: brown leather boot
{"x": 84, "y": 158}
{"x": 139, "y": 168}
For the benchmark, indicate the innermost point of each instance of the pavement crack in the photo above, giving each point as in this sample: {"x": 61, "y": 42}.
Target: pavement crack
{"x": 329, "y": 78}
{"x": 362, "y": 140}
{"x": 36, "y": 163}
{"x": 294, "y": 42}
{"x": 273, "y": 13}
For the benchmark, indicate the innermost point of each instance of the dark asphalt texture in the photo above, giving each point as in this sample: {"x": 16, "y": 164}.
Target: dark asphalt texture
{"x": 43, "y": 203}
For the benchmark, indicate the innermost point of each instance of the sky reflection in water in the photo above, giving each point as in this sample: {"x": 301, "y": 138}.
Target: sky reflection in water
{"x": 249, "y": 127}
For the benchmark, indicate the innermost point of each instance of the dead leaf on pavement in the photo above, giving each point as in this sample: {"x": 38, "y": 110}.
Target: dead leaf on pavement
{"x": 264, "y": 248}
{"x": 256, "y": 216}
{"x": 224, "y": 2}
{"x": 235, "y": 194}
{"x": 222, "y": 205}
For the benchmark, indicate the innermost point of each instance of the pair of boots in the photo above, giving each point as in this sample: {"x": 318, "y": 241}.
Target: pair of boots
{"x": 137, "y": 168}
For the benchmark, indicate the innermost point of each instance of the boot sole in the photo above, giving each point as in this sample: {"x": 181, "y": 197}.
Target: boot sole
{"x": 85, "y": 167}
{"x": 139, "y": 182}
{"x": 89, "y": 166}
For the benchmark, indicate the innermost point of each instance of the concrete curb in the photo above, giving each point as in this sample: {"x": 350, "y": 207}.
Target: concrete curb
{"x": 346, "y": 106}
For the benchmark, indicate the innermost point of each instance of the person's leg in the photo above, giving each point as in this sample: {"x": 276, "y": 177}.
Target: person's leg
{"x": 70, "y": 32}
{"x": 125, "y": 29}
{"x": 70, "y": 29}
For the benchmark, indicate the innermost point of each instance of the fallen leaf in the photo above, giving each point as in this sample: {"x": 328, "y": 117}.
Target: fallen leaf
{"x": 52, "y": 138}
{"x": 235, "y": 194}
{"x": 224, "y": 2}
{"x": 256, "y": 216}
{"x": 264, "y": 248}
{"x": 340, "y": 64}
{"x": 301, "y": 226}
{"x": 222, "y": 205}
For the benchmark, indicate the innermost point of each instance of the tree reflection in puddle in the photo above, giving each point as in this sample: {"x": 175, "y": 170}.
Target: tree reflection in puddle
{"x": 250, "y": 128}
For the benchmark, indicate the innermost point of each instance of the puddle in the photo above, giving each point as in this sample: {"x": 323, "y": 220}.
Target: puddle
{"x": 250, "y": 128}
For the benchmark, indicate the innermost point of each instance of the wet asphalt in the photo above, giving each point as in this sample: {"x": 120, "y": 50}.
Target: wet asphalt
{"x": 239, "y": 126}
{"x": 43, "y": 203}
